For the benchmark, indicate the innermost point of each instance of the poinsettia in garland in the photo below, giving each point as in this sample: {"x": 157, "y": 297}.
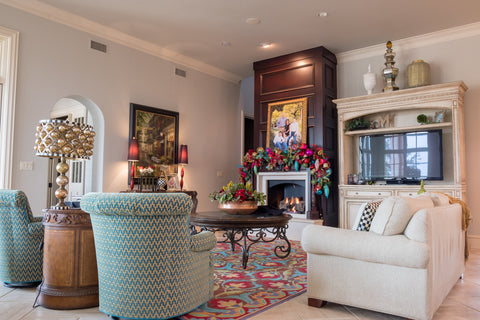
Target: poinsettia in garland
{"x": 293, "y": 158}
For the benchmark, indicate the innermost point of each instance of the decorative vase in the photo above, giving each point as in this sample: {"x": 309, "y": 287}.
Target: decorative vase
{"x": 369, "y": 80}
{"x": 418, "y": 74}
{"x": 245, "y": 207}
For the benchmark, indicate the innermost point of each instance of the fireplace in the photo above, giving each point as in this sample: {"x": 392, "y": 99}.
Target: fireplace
{"x": 278, "y": 186}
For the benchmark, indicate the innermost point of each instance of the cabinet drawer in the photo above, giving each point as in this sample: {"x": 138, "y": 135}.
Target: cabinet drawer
{"x": 407, "y": 193}
{"x": 369, "y": 193}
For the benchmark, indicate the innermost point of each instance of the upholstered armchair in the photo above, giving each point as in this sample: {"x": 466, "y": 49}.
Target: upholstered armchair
{"x": 21, "y": 234}
{"x": 149, "y": 266}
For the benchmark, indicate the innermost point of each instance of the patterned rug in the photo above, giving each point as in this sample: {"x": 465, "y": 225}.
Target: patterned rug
{"x": 267, "y": 282}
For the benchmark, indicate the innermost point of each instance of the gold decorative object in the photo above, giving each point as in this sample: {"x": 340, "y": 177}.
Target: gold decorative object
{"x": 231, "y": 207}
{"x": 418, "y": 74}
{"x": 65, "y": 140}
{"x": 390, "y": 72}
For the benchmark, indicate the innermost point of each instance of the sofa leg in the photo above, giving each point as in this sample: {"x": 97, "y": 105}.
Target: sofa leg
{"x": 312, "y": 302}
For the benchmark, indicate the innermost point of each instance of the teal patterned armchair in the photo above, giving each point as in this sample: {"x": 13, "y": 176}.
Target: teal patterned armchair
{"x": 21, "y": 234}
{"x": 149, "y": 266}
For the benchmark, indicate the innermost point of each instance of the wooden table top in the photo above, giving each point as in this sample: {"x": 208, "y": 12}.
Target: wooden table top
{"x": 221, "y": 219}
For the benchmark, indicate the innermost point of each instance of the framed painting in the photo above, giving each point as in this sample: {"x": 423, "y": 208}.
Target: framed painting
{"x": 287, "y": 123}
{"x": 156, "y": 131}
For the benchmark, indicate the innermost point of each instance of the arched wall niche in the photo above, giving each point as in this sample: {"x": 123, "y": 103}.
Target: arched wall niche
{"x": 71, "y": 104}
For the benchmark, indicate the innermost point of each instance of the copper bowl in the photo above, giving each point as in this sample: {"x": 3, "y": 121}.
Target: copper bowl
{"x": 245, "y": 207}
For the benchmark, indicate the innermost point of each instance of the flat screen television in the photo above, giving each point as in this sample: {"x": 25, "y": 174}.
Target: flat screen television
{"x": 405, "y": 156}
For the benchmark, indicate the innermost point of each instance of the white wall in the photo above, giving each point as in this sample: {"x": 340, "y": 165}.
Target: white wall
{"x": 56, "y": 61}
{"x": 449, "y": 60}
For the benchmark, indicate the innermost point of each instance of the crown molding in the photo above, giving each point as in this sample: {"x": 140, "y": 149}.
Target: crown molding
{"x": 466, "y": 31}
{"x": 49, "y": 12}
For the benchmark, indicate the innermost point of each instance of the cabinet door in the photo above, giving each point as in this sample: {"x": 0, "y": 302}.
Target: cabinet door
{"x": 349, "y": 212}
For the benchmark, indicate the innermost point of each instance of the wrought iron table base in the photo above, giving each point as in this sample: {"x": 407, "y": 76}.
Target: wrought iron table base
{"x": 246, "y": 237}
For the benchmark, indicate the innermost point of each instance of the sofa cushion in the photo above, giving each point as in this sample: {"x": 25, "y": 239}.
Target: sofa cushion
{"x": 367, "y": 215}
{"x": 393, "y": 214}
{"x": 365, "y": 246}
{"x": 417, "y": 226}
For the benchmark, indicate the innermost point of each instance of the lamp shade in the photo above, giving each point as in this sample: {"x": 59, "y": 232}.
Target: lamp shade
{"x": 183, "y": 155}
{"x": 133, "y": 150}
{"x": 62, "y": 138}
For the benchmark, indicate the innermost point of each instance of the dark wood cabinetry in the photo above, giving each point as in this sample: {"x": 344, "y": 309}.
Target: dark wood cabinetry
{"x": 312, "y": 74}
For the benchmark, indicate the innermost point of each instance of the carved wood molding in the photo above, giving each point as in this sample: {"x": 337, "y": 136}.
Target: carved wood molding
{"x": 69, "y": 217}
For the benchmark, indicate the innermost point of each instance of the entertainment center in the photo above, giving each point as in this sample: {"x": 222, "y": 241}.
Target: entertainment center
{"x": 407, "y": 157}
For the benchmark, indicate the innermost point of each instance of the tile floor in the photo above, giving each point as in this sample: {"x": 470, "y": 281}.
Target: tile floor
{"x": 462, "y": 303}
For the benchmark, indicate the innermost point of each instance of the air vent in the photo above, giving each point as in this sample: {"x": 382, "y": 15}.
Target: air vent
{"x": 180, "y": 72}
{"x": 98, "y": 46}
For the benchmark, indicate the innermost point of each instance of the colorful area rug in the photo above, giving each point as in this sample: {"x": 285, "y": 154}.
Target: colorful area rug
{"x": 267, "y": 282}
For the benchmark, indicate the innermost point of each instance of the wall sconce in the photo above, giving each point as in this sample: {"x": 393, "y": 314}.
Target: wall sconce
{"x": 133, "y": 157}
{"x": 182, "y": 160}
{"x": 64, "y": 140}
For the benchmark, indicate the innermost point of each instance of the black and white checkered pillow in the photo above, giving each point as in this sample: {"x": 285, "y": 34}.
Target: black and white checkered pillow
{"x": 367, "y": 215}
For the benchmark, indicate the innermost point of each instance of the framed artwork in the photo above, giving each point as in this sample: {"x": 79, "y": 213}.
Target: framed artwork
{"x": 287, "y": 123}
{"x": 156, "y": 131}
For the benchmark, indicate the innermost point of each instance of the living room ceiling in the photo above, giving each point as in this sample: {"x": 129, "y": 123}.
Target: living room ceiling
{"x": 197, "y": 28}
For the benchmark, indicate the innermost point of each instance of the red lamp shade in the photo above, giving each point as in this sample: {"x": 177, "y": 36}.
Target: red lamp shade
{"x": 132, "y": 156}
{"x": 133, "y": 150}
{"x": 183, "y": 156}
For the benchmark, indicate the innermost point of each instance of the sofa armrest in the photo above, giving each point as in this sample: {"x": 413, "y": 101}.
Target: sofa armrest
{"x": 36, "y": 219}
{"x": 203, "y": 241}
{"x": 365, "y": 246}
{"x": 35, "y": 228}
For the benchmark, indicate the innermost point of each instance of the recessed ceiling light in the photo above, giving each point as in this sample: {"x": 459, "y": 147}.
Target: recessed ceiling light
{"x": 225, "y": 43}
{"x": 322, "y": 14}
{"x": 266, "y": 45}
{"x": 253, "y": 21}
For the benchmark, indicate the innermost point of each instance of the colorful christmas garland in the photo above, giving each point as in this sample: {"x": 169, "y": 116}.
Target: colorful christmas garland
{"x": 293, "y": 158}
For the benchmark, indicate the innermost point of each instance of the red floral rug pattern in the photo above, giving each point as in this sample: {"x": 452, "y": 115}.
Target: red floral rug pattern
{"x": 267, "y": 281}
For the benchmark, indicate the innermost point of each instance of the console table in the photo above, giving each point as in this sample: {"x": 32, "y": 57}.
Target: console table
{"x": 246, "y": 230}
{"x": 70, "y": 279}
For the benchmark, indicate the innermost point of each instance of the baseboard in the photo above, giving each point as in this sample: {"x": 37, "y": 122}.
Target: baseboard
{"x": 474, "y": 242}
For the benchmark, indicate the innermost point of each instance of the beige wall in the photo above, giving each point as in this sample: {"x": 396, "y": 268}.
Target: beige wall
{"x": 56, "y": 61}
{"x": 450, "y": 60}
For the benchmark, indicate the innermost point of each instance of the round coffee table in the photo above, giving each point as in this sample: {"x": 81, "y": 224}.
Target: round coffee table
{"x": 246, "y": 230}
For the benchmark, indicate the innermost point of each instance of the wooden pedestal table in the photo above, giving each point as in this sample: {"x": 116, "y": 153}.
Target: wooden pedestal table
{"x": 70, "y": 279}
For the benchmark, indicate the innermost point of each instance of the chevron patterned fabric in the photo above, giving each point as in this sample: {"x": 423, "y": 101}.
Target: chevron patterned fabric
{"x": 149, "y": 266}
{"x": 21, "y": 260}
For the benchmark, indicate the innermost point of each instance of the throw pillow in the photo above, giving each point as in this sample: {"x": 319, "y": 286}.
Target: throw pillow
{"x": 358, "y": 216}
{"x": 368, "y": 213}
{"x": 393, "y": 214}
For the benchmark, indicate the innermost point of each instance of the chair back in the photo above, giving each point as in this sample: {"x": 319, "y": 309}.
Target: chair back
{"x": 142, "y": 243}
{"x": 20, "y": 236}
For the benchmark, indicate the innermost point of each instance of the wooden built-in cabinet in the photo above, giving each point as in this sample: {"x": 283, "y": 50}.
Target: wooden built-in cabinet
{"x": 403, "y": 106}
{"x": 307, "y": 74}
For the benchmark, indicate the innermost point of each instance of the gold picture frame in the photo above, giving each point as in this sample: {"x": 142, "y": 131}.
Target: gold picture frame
{"x": 295, "y": 111}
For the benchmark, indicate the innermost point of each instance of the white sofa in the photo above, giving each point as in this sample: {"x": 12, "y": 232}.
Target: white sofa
{"x": 407, "y": 274}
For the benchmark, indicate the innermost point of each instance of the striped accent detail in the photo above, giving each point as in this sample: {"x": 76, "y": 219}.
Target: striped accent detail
{"x": 146, "y": 267}
{"x": 20, "y": 236}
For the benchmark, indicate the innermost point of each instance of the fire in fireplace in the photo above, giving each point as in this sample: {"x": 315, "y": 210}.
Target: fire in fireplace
{"x": 287, "y": 195}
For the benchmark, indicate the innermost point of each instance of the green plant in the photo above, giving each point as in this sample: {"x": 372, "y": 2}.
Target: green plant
{"x": 422, "y": 118}
{"x": 357, "y": 123}
{"x": 237, "y": 192}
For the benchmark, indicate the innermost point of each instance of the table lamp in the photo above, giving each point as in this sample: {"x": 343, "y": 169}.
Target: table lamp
{"x": 64, "y": 140}
{"x": 133, "y": 157}
{"x": 182, "y": 160}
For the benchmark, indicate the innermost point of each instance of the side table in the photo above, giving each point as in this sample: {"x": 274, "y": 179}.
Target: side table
{"x": 70, "y": 279}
